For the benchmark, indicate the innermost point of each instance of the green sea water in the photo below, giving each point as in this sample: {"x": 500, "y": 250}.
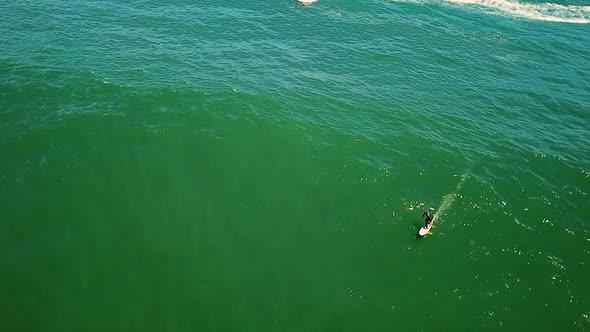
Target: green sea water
{"x": 263, "y": 165}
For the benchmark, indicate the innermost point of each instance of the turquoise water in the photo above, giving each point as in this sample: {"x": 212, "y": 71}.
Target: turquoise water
{"x": 262, "y": 166}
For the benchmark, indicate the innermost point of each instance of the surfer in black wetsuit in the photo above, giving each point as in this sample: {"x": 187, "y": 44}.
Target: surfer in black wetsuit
{"x": 428, "y": 218}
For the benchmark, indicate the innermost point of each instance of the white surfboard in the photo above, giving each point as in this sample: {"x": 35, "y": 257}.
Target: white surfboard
{"x": 423, "y": 231}
{"x": 306, "y": 2}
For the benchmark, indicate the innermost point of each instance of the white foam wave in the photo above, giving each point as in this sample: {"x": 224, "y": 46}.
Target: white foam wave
{"x": 306, "y": 2}
{"x": 540, "y": 11}
{"x": 536, "y": 11}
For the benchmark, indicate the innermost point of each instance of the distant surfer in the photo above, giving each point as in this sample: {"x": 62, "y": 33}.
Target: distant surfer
{"x": 428, "y": 218}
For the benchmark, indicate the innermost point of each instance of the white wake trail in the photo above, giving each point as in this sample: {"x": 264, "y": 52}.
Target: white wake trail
{"x": 449, "y": 199}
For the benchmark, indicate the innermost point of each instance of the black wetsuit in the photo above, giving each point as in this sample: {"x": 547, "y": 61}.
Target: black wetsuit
{"x": 428, "y": 219}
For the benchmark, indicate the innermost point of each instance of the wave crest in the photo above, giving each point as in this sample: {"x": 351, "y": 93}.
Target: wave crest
{"x": 539, "y": 11}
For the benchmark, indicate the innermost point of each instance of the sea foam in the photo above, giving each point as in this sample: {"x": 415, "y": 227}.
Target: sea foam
{"x": 306, "y": 2}
{"x": 536, "y": 11}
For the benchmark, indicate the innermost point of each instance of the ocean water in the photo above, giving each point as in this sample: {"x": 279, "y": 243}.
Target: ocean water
{"x": 263, "y": 165}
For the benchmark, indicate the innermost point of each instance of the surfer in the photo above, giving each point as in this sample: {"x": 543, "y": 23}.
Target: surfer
{"x": 428, "y": 218}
